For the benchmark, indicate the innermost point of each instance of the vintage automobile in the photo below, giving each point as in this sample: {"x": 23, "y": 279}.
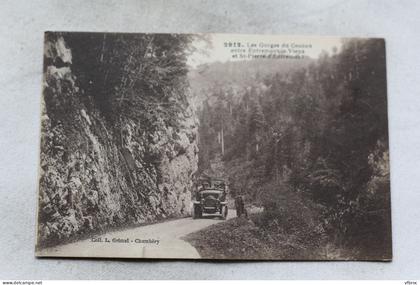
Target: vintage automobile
{"x": 210, "y": 198}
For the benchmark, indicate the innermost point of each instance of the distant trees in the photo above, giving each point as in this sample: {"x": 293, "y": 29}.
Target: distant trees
{"x": 256, "y": 124}
{"x": 321, "y": 131}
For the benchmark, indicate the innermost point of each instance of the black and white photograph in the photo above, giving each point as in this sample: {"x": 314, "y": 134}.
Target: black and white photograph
{"x": 214, "y": 146}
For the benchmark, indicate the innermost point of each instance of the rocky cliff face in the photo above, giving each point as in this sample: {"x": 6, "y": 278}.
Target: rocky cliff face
{"x": 93, "y": 176}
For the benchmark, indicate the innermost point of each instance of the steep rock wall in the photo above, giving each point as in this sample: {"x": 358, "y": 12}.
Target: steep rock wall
{"x": 91, "y": 181}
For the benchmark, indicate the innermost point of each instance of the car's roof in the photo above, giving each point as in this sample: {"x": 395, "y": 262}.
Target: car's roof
{"x": 212, "y": 190}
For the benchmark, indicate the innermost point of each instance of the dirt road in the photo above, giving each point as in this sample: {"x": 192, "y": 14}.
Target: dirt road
{"x": 162, "y": 240}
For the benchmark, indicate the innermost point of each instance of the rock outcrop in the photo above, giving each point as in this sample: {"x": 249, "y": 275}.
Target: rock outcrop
{"x": 94, "y": 177}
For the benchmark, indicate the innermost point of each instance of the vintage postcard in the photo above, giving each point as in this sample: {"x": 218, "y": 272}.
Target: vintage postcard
{"x": 214, "y": 146}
